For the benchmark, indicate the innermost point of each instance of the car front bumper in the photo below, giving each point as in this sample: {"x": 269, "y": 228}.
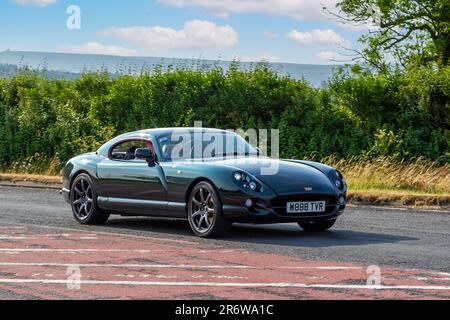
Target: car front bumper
{"x": 242, "y": 214}
{"x": 274, "y": 210}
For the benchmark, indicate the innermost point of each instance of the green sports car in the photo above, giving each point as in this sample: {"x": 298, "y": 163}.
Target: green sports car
{"x": 157, "y": 173}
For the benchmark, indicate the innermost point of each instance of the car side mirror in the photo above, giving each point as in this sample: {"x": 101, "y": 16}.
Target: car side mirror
{"x": 145, "y": 154}
{"x": 259, "y": 151}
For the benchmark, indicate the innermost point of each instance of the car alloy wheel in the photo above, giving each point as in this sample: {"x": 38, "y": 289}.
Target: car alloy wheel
{"x": 82, "y": 202}
{"x": 83, "y": 198}
{"x": 205, "y": 212}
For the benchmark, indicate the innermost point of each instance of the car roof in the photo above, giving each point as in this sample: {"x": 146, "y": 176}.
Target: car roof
{"x": 158, "y": 132}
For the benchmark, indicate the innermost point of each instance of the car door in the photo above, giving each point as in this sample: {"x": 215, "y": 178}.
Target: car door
{"x": 128, "y": 185}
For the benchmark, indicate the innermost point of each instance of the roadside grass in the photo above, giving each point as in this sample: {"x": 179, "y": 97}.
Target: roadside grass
{"x": 381, "y": 181}
{"x": 386, "y": 181}
{"x": 399, "y": 199}
{"x": 383, "y": 173}
{"x": 23, "y": 177}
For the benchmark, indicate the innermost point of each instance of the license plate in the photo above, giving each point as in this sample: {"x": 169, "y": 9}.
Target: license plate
{"x": 306, "y": 207}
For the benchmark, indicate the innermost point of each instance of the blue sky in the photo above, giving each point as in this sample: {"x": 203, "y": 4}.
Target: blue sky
{"x": 295, "y": 31}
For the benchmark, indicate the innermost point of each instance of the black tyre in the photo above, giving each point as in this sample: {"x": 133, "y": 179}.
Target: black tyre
{"x": 317, "y": 226}
{"x": 205, "y": 212}
{"x": 83, "y": 200}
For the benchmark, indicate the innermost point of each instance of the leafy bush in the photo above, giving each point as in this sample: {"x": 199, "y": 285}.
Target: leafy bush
{"x": 44, "y": 122}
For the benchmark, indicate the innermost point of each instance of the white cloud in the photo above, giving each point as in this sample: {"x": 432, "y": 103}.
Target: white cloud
{"x": 297, "y": 9}
{"x": 330, "y": 56}
{"x": 39, "y": 3}
{"x": 317, "y": 36}
{"x": 196, "y": 34}
{"x": 98, "y": 48}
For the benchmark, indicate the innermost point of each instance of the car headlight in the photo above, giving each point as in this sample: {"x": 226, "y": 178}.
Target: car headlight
{"x": 238, "y": 176}
{"x": 339, "y": 181}
{"x": 247, "y": 181}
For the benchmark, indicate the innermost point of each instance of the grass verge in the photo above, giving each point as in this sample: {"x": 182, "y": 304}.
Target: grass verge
{"x": 399, "y": 199}
{"x": 34, "y": 178}
{"x": 384, "y": 173}
{"x": 385, "y": 181}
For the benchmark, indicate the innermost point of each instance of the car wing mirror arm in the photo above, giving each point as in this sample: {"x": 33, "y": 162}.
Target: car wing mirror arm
{"x": 145, "y": 154}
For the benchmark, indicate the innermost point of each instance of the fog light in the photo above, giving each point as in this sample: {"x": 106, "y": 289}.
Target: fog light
{"x": 249, "y": 203}
{"x": 341, "y": 200}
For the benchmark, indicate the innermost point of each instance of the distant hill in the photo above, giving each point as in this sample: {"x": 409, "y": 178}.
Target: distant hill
{"x": 9, "y": 70}
{"x": 69, "y": 65}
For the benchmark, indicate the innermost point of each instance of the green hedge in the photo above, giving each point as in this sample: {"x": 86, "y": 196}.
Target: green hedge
{"x": 45, "y": 122}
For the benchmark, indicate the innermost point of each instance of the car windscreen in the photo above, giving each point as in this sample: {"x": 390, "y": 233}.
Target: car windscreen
{"x": 201, "y": 145}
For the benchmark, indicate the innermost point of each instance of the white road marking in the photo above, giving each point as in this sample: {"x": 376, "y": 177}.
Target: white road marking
{"x": 326, "y": 268}
{"x": 443, "y": 273}
{"x": 229, "y": 277}
{"x": 68, "y": 250}
{"x": 15, "y": 238}
{"x": 228, "y": 284}
{"x": 13, "y": 227}
{"x": 419, "y": 278}
{"x": 314, "y": 277}
{"x": 131, "y": 265}
{"x": 78, "y": 250}
{"x": 28, "y": 225}
{"x": 161, "y": 276}
{"x": 221, "y": 251}
{"x": 38, "y": 236}
{"x": 169, "y": 266}
{"x": 426, "y": 278}
{"x": 201, "y": 267}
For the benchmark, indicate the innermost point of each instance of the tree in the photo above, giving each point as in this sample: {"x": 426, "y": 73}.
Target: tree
{"x": 407, "y": 31}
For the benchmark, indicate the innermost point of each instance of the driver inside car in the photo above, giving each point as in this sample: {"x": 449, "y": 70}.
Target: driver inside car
{"x": 130, "y": 153}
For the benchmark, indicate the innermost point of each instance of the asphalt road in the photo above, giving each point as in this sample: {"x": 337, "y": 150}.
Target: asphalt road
{"x": 399, "y": 241}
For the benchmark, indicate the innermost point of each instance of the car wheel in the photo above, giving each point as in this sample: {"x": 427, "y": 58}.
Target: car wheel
{"x": 205, "y": 212}
{"x": 83, "y": 200}
{"x": 317, "y": 226}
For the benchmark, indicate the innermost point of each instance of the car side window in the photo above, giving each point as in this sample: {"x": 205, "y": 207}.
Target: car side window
{"x": 126, "y": 150}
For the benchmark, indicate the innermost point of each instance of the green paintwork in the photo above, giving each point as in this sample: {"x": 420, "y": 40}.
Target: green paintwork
{"x": 135, "y": 188}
